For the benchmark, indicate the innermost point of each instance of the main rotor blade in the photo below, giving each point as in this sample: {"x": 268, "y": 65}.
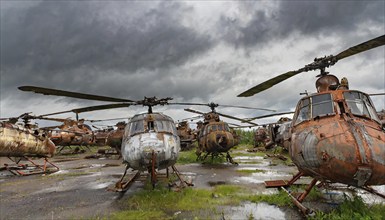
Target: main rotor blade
{"x": 376, "y": 94}
{"x": 266, "y": 116}
{"x": 237, "y": 106}
{"x": 235, "y": 118}
{"x": 109, "y": 119}
{"x": 368, "y": 45}
{"x": 91, "y": 108}
{"x": 317, "y": 64}
{"x": 269, "y": 83}
{"x": 53, "y": 119}
{"x": 193, "y": 111}
{"x": 220, "y": 105}
{"x": 191, "y": 118}
{"x": 47, "y": 91}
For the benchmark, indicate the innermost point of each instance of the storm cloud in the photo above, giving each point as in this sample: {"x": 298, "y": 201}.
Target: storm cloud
{"x": 188, "y": 50}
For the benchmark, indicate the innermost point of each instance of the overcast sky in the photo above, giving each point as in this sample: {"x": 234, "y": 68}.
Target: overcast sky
{"x": 193, "y": 51}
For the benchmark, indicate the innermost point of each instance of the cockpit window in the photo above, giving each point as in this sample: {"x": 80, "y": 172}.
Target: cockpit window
{"x": 314, "y": 106}
{"x": 164, "y": 126}
{"x": 304, "y": 111}
{"x": 322, "y": 105}
{"x": 359, "y": 104}
{"x": 134, "y": 127}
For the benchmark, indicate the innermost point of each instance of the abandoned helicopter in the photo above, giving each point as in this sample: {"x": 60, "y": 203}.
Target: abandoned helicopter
{"x": 70, "y": 133}
{"x": 186, "y": 134}
{"x": 335, "y": 135}
{"x": 22, "y": 143}
{"x": 270, "y": 134}
{"x": 215, "y": 136}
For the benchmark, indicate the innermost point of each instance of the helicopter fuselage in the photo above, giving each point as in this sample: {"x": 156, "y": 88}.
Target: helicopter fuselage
{"x": 215, "y": 137}
{"x": 336, "y": 136}
{"x": 18, "y": 142}
{"x": 150, "y": 138}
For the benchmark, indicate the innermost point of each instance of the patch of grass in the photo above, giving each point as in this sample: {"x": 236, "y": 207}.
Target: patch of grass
{"x": 279, "y": 199}
{"x": 354, "y": 208}
{"x": 162, "y": 203}
{"x": 139, "y": 214}
{"x": 186, "y": 157}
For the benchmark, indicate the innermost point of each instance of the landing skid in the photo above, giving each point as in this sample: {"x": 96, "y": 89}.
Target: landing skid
{"x": 123, "y": 185}
{"x": 33, "y": 168}
{"x": 297, "y": 200}
{"x": 215, "y": 154}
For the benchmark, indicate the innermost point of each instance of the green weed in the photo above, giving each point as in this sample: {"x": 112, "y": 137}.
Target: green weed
{"x": 354, "y": 208}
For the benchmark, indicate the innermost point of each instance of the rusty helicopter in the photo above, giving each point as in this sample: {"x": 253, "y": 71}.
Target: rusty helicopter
{"x": 70, "y": 133}
{"x": 215, "y": 137}
{"x": 335, "y": 135}
{"x": 186, "y": 134}
{"x": 23, "y": 143}
{"x": 111, "y": 136}
{"x": 271, "y": 134}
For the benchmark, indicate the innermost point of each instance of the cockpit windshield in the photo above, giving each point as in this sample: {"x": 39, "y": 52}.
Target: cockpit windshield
{"x": 218, "y": 127}
{"x": 314, "y": 106}
{"x": 359, "y": 104}
{"x": 136, "y": 127}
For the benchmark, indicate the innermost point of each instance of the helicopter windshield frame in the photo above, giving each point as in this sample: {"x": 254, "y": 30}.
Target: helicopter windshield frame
{"x": 314, "y": 106}
{"x": 359, "y": 104}
{"x": 138, "y": 127}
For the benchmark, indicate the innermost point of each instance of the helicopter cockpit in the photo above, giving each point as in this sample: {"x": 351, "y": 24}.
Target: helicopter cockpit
{"x": 321, "y": 105}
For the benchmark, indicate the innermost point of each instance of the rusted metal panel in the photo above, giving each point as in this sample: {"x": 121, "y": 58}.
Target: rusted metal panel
{"x": 17, "y": 142}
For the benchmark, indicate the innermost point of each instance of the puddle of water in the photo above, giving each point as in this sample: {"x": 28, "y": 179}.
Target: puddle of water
{"x": 100, "y": 185}
{"x": 256, "y": 211}
{"x": 248, "y": 158}
{"x": 260, "y": 177}
{"x": 97, "y": 165}
{"x": 252, "y": 160}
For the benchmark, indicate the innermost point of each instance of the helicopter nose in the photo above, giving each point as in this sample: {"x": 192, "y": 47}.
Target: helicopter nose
{"x": 221, "y": 140}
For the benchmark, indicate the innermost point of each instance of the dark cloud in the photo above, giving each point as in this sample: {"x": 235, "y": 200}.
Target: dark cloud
{"x": 72, "y": 43}
{"x": 132, "y": 49}
{"x": 317, "y": 18}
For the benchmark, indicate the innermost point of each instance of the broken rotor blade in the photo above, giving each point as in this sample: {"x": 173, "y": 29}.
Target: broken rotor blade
{"x": 48, "y": 91}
